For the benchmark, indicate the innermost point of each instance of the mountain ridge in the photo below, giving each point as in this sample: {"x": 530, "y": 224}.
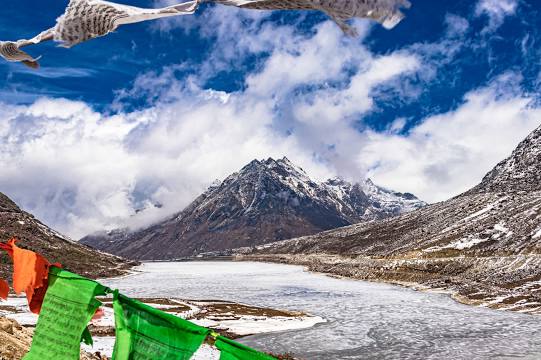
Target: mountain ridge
{"x": 266, "y": 200}
{"x": 518, "y": 172}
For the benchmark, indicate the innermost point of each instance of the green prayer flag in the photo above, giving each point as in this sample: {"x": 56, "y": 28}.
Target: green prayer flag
{"x": 145, "y": 333}
{"x": 232, "y": 350}
{"x": 67, "y": 308}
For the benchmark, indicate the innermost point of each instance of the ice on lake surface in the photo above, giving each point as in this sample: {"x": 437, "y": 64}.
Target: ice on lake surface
{"x": 365, "y": 320}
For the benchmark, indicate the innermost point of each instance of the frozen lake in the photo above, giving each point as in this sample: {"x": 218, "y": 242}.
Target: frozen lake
{"x": 365, "y": 320}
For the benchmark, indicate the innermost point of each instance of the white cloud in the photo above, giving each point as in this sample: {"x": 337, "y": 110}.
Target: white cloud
{"x": 456, "y": 25}
{"x": 496, "y": 10}
{"x": 82, "y": 171}
{"x": 450, "y": 153}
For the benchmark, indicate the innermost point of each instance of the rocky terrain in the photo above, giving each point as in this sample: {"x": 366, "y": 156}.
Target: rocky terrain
{"x": 483, "y": 246}
{"x": 265, "y": 201}
{"x": 15, "y": 341}
{"x": 34, "y": 235}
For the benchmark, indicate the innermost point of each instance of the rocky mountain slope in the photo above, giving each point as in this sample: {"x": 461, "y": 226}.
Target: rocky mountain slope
{"x": 265, "y": 201}
{"x": 484, "y": 246}
{"x": 520, "y": 172}
{"x": 34, "y": 235}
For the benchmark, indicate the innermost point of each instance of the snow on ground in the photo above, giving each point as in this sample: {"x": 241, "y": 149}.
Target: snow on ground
{"x": 499, "y": 231}
{"x": 239, "y": 320}
{"x": 105, "y": 344}
{"x": 476, "y": 216}
{"x": 502, "y": 228}
{"x": 486, "y": 209}
{"x": 16, "y": 308}
{"x": 206, "y": 352}
{"x": 465, "y": 243}
{"x": 102, "y": 344}
{"x": 249, "y": 325}
{"x": 480, "y": 212}
{"x": 537, "y": 234}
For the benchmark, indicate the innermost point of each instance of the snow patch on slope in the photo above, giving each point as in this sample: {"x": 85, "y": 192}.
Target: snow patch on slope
{"x": 466, "y": 243}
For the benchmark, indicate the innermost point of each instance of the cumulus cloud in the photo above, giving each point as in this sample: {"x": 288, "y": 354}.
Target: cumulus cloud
{"x": 81, "y": 171}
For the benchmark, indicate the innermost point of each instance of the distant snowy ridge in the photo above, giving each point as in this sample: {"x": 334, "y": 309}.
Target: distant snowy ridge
{"x": 364, "y": 199}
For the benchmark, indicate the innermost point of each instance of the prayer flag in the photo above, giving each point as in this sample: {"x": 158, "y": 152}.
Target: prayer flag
{"x": 4, "y": 289}
{"x": 145, "y": 333}
{"x": 68, "y": 302}
{"x": 68, "y": 306}
{"x": 232, "y": 350}
{"x": 30, "y": 272}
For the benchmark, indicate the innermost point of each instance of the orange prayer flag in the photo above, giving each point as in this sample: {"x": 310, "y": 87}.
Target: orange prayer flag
{"x": 4, "y": 289}
{"x": 30, "y": 274}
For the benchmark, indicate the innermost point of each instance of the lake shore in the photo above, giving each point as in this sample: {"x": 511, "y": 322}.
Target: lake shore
{"x": 418, "y": 274}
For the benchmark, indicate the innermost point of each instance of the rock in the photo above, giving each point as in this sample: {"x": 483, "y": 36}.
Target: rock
{"x": 6, "y": 326}
{"x": 14, "y": 340}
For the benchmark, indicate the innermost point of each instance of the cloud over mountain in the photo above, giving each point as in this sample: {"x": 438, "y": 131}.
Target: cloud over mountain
{"x": 310, "y": 94}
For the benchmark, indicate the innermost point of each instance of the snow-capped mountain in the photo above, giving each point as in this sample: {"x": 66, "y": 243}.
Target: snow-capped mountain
{"x": 483, "y": 245}
{"x": 368, "y": 201}
{"x": 265, "y": 201}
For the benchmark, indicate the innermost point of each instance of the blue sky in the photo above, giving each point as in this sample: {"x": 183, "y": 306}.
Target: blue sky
{"x": 158, "y": 110}
{"x": 94, "y": 71}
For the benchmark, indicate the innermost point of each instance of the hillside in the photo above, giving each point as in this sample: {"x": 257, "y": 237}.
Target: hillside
{"x": 34, "y": 235}
{"x": 484, "y": 245}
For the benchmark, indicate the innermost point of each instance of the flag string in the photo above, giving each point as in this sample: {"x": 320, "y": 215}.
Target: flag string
{"x": 66, "y": 303}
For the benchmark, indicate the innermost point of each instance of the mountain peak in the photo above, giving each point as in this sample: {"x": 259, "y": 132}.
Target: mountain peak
{"x": 270, "y": 162}
{"x": 252, "y": 164}
{"x": 282, "y": 167}
{"x": 286, "y": 161}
